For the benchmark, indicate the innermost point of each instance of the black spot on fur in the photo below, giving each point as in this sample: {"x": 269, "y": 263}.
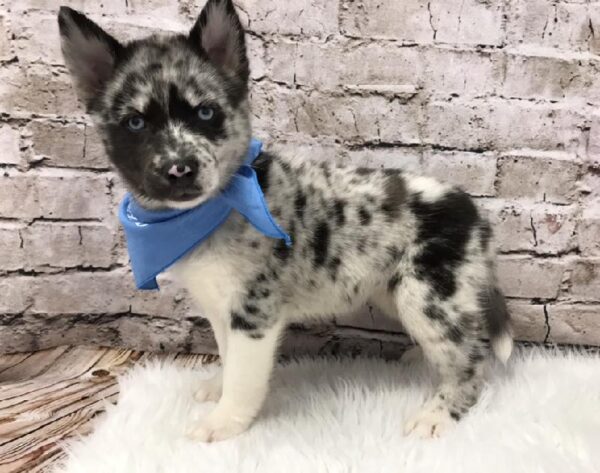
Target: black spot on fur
{"x": 256, "y": 335}
{"x": 475, "y": 356}
{"x": 455, "y": 334}
{"x": 282, "y": 251}
{"x": 395, "y": 253}
{"x": 362, "y": 244}
{"x": 393, "y": 282}
{"x": 333, "y": 266}
{"x": 395, "y": 195}
{"x": 300, "y": 204}
{"x": 285, "y": 166}
{"x": 364, "y": 171}
{"x": 445, "y": 227}
{"x": 364, "y": 217}
{"x": 468, "y": 374}
{"x": 261, "y": 277}
{"x": 433, "y": 312}
{"x": 495, "y": 311}
{"x": 455, "y": 415}
{"x": 251, "y": 309}
{"x": 262, "y": 166}
{"x": 485, "y": 235}
{"x": 239, "y": 323}
{"x": 338, "y": 209}
{"x": 320, "y": 243}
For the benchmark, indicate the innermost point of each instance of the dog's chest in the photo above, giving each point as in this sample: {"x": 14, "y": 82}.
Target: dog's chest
{"x": 213, "y": 277}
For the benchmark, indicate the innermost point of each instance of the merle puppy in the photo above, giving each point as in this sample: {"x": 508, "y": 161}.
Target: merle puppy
{"x": 414, "y": 247}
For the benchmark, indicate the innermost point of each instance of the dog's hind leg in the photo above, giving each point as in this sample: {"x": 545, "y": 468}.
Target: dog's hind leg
{"x": 449, "y": 333}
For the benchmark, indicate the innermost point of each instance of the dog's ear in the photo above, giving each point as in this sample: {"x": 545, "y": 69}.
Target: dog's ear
{"x": 90, "y": 53}
{"x": 218, "y": 35}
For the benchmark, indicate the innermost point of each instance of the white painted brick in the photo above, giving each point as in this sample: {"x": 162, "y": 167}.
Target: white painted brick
{"x": 585, "y": 279}
{"x": 304, "y": 148}
{"x": 473, "y": 172}
{"x": 16, "y": 294}
{"x": 550, "y": 177}
{"x": 106, "y": 7}
{"x": 407, "y": 159}
{"x": 588, "y": 230}
{"x": 37, "y": 38}
{"x": 70, "y": 145}
{"x": 301, "y": 17}
{"x": 514, "y": 224}
{"x": 171, "y": 301}
{"x": 554, "y": 24}
{"x": 491, "y": 124}
{"x": 256, "y": 56}
{"x": 9, "y": 145}
{"x": 11, "y": 250}
{"x": 467, "y": 21}
{"x": 574, "y": 324}
{"x": 82, "y": 293}
{"x": 38, "y": 90}
{"x": 94, "y": 154}
{"x": 5, "y": 47}
{"x": 348, "y": 118}
{"x": 347, "y": 64}
{"x": 53, "y": 195}
{"x": 552, "y": 78}
{"x": 511, "y": 223}
{"x": 594, "y": 40}
{"x": 370, "y": 318}
{"x": 528, "y": 321}
{"x": 554, "y": 228}
{"x": 154, "y": 8}
{"x": 522, "y": 277}
{"x": 106, "y": 292}
{"x": 406, "y": 21}
{"x": 594, "y": 143}
{"x": 64, "y": 245}
{"x": 466, "y": 73}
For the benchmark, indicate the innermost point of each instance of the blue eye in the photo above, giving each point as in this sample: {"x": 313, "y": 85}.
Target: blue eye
{"x": 205, "y": 113}
{"x": 136, "y": 123}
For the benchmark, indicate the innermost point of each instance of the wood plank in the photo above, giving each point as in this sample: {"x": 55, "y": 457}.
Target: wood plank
{"x": 48, "y": 396}
{"x": 32, "y": 366}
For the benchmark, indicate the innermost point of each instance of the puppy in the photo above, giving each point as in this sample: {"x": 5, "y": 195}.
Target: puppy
{"x": 412, "y": 246}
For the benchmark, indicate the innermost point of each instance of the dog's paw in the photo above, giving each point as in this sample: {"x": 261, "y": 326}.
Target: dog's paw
{"x": 429, "y": 423}
{"x": 210, "y": 389}
{"x": 218, "y": 426}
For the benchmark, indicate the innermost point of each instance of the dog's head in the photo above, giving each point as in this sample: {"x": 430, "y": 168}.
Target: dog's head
{"x": 172, "y": 111}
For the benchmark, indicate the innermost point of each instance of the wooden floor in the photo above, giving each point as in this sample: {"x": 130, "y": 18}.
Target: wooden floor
{"x": 48, "y": 396}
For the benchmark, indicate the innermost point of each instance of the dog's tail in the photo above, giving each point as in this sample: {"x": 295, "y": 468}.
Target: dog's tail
{"x": 499, "y": 326}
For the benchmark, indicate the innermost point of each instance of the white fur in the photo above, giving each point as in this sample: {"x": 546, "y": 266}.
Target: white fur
{"x": 539, "y": 415}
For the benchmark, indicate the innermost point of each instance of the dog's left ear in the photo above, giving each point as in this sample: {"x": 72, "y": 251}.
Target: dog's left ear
{"x": 218, "y": 35}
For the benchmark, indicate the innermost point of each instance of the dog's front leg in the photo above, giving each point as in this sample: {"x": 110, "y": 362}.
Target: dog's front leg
{"x": 210, "y": 389}
{"x": 249, "y": 361}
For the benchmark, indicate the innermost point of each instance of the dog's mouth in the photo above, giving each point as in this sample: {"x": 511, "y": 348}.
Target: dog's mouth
{"x": 186, "y": 195}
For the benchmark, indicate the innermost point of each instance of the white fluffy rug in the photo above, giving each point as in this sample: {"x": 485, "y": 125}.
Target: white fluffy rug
{"x": 542, "y": 414}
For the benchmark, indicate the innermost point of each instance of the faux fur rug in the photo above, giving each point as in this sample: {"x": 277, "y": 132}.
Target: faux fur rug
{"x": 541, "y": 414}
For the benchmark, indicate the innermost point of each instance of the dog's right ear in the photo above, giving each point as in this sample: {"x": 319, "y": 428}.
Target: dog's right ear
{"x": 90, "y": 53}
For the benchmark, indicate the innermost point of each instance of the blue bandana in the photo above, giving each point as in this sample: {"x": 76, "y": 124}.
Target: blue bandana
{"x": 156, "y": 239}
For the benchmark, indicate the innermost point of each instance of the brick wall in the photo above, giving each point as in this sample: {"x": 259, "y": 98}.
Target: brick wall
{"x": 497, "y": 96}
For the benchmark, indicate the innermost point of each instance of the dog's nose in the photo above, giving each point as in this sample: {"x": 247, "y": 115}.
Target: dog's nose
{"x": 180, "y": 171}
